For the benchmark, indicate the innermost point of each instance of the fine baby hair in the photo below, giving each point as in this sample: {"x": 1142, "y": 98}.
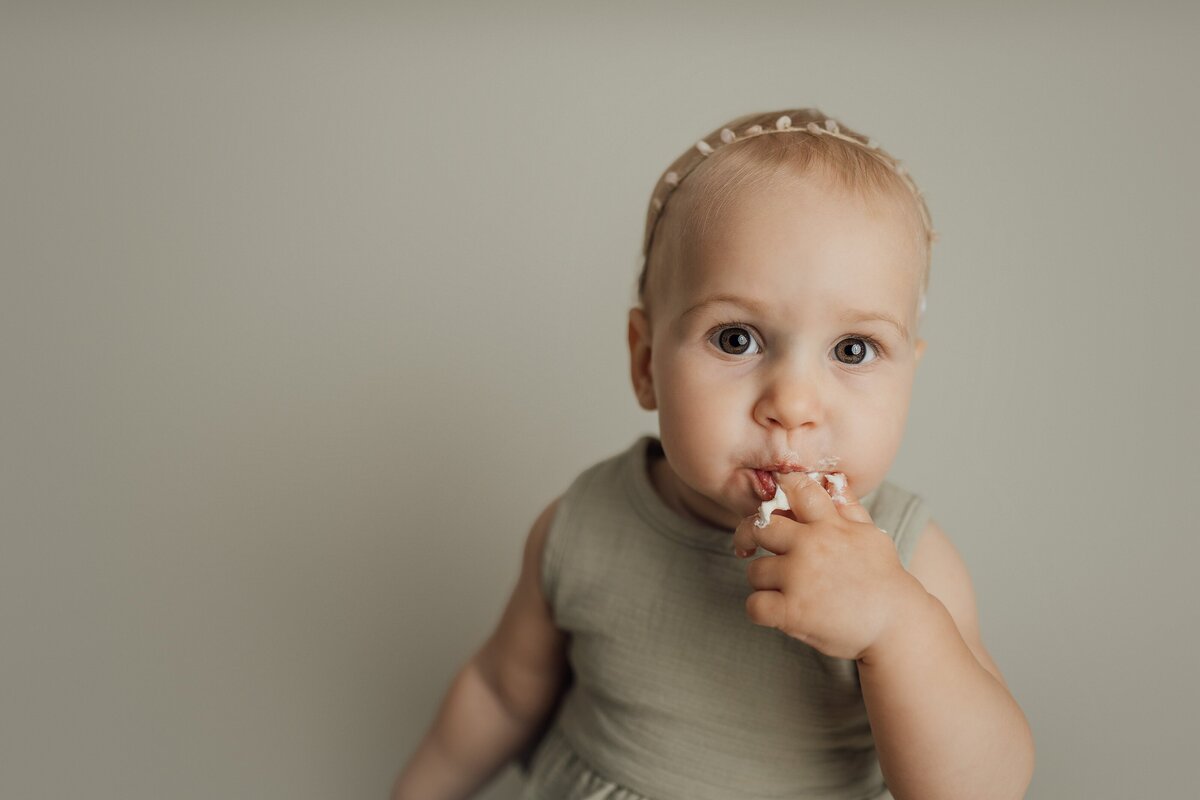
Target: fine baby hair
{"x": 747, "y": 151}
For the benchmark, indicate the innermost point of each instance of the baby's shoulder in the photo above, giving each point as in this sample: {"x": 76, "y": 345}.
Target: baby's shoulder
{"x": 535, "y": 540}
{"x": 603, "y": 482}
{"x": 901, "y": 513}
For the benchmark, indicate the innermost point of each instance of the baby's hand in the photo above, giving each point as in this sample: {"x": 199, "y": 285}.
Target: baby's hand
{"x": 835, "y": 582}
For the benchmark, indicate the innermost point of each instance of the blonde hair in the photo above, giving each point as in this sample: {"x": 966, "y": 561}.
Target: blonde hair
{"x": 738, "y": 155}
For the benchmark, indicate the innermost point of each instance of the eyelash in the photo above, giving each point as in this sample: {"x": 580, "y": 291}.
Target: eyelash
{"x": 880, "y": 350}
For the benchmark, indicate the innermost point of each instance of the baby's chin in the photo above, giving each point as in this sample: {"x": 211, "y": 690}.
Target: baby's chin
{"x": 713, "y": 500}
{"x": 711, "y": 517}
{"x": 739, "y": 512}
{"x": 739, "y": 505}
{"x": 722, "y": 509}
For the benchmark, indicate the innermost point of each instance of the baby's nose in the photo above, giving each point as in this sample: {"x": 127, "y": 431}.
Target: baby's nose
{"x": 792, "y": 398}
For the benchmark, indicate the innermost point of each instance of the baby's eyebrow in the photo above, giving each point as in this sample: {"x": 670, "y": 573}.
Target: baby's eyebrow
{"x": 855, "y": 315}
{"x": 745, "y": 302}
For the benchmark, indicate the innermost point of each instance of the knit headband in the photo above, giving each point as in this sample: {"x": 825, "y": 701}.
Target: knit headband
{"x": 727, "y": 136}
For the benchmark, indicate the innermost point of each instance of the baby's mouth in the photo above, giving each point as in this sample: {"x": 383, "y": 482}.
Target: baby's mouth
{"x": 764, "y": 480}
{"x": 766, "y": 486}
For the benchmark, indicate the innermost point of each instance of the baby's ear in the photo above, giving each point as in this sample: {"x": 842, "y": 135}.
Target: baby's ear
{"x": 639, "y": 358}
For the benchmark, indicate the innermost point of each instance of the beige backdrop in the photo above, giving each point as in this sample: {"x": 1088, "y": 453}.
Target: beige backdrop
{"x": 307, "y": 312}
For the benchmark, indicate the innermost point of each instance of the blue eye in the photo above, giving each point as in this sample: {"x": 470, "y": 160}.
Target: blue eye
{"x": 854, "y": 349}
{"x": 735, "y": 340}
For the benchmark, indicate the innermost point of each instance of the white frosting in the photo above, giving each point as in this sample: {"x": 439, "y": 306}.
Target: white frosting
{"x": 779, "y": 501}
{"x": 837, "y": 481}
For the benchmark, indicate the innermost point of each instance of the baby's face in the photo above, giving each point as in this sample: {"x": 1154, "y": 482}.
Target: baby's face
{"x": 772, "y": 344}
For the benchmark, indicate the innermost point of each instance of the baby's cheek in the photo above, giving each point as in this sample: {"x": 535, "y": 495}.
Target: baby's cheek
{"x": 876, "y": 443}
{"x": 886, "y": 415}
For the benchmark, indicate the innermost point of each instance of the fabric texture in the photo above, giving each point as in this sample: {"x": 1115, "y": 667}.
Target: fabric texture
{"x": 675, "y": 694}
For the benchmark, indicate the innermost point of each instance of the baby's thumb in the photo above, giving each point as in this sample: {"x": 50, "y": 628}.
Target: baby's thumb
{"x": 845, "y": 499}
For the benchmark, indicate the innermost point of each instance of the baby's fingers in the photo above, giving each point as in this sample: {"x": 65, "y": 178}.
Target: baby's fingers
{"x": 767, "y": 608}
{"x": 748, "y": 537}
{"x": 845, "y": 499}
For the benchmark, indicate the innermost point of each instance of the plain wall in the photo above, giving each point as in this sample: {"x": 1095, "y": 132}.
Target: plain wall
{"x": 307, "y": 311}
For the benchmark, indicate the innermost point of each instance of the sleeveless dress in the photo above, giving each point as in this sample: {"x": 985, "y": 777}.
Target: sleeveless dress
{"x": 675, "y": 694}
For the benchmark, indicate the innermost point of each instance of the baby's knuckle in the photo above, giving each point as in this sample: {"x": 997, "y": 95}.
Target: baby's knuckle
{"x": 753, "y": 569}
{"x": 758, "y": 607}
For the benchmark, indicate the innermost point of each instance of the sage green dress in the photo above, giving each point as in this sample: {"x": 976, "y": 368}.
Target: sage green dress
{"x": 675, "y": 693}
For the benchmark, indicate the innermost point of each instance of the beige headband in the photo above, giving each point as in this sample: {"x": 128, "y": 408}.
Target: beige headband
{"x": 727, "y": 136}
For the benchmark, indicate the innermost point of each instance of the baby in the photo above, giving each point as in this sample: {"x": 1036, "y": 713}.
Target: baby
{"x": 641, "y": 657}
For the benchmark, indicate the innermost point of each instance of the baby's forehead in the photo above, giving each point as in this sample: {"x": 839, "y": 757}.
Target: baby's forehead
{"x": 813, "y": 296}
{"x": 768, "y": 251}
{"x": 836, "y": 288}
{"x": 747, "y": 240}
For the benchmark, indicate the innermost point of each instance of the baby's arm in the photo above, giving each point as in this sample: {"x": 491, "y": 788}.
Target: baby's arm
{"x": 945, "y": 724}
{"x": 499, "y": 699}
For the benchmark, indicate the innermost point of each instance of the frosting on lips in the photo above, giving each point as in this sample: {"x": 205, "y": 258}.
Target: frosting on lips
{"x": 834, "y": 483}
{"x": 779, "y": 500}
{"x": 764, "y": 478}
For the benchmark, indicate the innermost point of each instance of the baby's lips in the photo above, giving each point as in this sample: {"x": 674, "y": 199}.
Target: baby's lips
{"x": 768, "y": 483}
{"x": 765, "y": 484}
{"x": 796, "y": 480}
{"x": 834, "y": 483}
